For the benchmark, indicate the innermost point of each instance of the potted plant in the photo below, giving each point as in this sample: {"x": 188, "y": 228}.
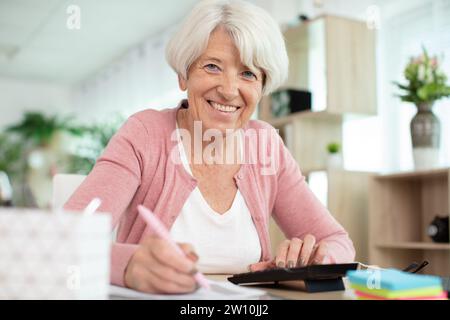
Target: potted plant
{"x": 334, "y": 155}
{"x": 39, "y": 130}
{"x": 40, "y": 148}
{"x": 34, "y": 149}
{"x": 425, "y": 84}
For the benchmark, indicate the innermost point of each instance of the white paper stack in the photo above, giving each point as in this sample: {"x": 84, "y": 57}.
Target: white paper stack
{"x": 44, "y": 255}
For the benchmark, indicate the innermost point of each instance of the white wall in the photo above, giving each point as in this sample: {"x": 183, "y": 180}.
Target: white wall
{"x": 140, "y": 79}
{"x": 17, "y": 96}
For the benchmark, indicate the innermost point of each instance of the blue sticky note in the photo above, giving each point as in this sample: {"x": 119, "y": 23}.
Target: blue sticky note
{"x": 392, "y": 279}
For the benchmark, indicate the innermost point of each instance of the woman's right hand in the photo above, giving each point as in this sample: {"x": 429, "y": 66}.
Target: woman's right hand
{"x": 156, "y": 267}
{"x": 297, "y": 253}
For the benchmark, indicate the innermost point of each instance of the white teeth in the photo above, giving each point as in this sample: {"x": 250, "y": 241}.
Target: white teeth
{"x": 223, "y": 108}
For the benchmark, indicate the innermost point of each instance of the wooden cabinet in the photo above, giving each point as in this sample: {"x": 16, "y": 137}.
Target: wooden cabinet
{"x": 401, "y": 207}
{"x": 334, "y": 58}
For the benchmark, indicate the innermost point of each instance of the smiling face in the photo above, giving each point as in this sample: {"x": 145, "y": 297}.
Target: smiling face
{"x": 222, "y": 92}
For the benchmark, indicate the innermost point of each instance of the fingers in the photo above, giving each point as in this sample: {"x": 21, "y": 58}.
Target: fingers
{"x": 307, "y": 249}
{"x": 150, "y": 282}
{"x": 321, "y": 254}
{"x": 163, "y": 252}
{"x": 189, "y": 251}
{"x": 170, "y": 280}
{"x": 295, "y": 246}
{"x": 161, "y": 268}
{"x": 297, "y": 252}
{"x": 282, "y": 251}
{"x": 151, "y": 276}
{"x": 262, "y": 265}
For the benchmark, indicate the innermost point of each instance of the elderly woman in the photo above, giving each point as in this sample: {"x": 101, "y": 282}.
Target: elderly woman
{"x": 227, "y": 55}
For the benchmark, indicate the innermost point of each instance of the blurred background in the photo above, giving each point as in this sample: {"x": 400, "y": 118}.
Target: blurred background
{"x": 72, "y": 71}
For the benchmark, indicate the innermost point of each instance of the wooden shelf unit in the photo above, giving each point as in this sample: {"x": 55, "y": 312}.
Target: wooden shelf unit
{"x": 333, "y": 58}
{"x": 401, "y": 207}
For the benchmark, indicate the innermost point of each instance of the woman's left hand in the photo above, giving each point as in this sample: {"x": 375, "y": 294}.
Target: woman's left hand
{"x": 297, "y": 253}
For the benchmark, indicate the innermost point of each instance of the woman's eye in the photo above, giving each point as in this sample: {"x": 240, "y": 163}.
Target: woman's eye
{"x": 249, "y": 74}
{"x": 212, "y": 67}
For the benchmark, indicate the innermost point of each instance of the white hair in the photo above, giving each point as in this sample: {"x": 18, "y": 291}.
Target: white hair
{"x": 255, "y": 33}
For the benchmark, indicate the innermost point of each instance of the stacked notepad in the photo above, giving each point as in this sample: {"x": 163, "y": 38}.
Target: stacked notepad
{"x": 385, "y": 284}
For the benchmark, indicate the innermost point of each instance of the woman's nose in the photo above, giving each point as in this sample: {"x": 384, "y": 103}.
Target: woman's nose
{"x": 229, "y": 88}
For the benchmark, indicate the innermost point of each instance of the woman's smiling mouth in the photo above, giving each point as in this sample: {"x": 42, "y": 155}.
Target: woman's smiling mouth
{"x": 223, "y": 108}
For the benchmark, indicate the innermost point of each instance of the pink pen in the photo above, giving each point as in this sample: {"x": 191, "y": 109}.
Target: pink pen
{"x": 162, "y": 232}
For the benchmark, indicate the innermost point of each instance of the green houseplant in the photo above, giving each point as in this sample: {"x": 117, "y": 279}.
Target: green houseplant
{"x": 333, "y": 147}
{"x": 425, "y": 84}
{"x": 26, "y": 148}
{"x": 38, "y": 129}
{"x": 334, "y": 155}
{"x": 32, "y": 150}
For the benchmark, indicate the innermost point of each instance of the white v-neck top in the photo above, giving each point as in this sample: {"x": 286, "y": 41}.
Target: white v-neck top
{"x": 225, "y": 243}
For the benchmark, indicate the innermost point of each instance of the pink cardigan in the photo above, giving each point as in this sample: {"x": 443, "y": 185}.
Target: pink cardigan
{"x": 137, "y": 168}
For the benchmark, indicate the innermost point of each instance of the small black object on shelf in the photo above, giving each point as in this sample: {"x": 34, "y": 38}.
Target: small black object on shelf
{"x": 438, "y": 229}
{"x": 285, "y": 102}
{"x": 303, "y": 18}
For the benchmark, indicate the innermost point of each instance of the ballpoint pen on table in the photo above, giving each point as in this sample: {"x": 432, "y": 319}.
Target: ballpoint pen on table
{"x": 412, "y": 268}
{"x": 156, "y": 225}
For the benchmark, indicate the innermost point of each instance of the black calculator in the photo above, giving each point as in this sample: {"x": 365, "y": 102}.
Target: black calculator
{"x": 308, "y": 273}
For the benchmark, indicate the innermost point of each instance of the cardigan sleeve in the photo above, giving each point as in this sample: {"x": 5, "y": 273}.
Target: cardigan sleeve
{"x": 298, "y": 211}
{"x": 115, "y": 179}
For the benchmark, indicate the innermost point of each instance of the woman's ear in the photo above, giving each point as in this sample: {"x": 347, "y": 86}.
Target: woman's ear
{"x": 182, "y": 83}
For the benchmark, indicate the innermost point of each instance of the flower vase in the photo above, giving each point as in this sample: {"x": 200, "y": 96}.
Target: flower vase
{"x": 425, "y": 135}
